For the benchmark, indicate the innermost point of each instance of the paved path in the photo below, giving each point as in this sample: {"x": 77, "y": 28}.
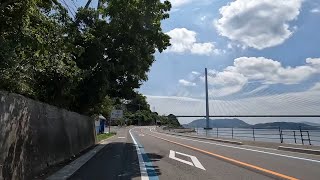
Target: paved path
{"x": 142, "y": 153}
{"x": 117, "y": 160}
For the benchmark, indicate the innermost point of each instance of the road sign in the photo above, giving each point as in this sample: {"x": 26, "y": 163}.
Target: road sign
{"x": 116, "y": 114}
{"x": 195, "y": 162}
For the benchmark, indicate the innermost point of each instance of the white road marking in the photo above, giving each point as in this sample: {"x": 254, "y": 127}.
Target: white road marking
{"x": 143, "y": 169}
{"x": 172, "y": 155}
{"x": 121, "y": 137}
{"x": 195, "y": 162}
{"x": 141, "y": 134}
{"x": 246, "y": 149}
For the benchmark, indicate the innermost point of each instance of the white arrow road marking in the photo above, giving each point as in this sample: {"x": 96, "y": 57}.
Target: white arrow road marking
{"x": 195, "y": 162}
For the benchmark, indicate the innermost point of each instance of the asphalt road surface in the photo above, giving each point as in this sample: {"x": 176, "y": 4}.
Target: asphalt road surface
{"x": 143, "y": 153}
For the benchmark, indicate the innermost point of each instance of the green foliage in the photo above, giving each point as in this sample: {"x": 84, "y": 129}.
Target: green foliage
{"x": 143, "y": 117}
{"x": 138, "y": 102}
{"x": 37, "y": 55}
{"x": 79, "y": 63}
{"x": 101, "y": 137}
{"x": 170, "y": 121}
{"x": 104, "y": 107}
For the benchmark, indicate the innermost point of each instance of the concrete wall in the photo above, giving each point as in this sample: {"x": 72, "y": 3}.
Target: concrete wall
{"x": 35, "y": 135}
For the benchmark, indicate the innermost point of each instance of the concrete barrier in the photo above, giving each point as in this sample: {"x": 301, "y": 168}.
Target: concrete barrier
{"x": 34, "y": 136}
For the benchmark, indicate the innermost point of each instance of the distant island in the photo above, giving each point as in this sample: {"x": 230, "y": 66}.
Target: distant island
{"x": 238, "y": 123}
{"x": 220, "y": 123}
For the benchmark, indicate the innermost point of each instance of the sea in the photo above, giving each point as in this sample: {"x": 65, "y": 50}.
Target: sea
{"x": 265, "y": 135}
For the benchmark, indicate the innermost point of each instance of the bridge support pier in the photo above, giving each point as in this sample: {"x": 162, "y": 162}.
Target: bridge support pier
{"x": 207, "y": 101}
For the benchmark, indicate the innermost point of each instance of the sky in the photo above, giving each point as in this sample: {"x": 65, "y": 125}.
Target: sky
{"x": 263, "y": 58}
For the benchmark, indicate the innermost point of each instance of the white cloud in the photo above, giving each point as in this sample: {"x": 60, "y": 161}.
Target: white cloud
{"x": 315, "y": 10}
{"x": 195, "y": 73}
{"x": 186, "y": 83}
{"x": 265, "y": 71}
{"x": 270, "y": 71}
{"x": 184, "y": 40}
{"x": 181, "y": 40}
{"x": 314, "y": 62}
{"x": 225, "y": 83}
{"x": 224, "y": 91}
{"x": 179, "y": 3}
{"x": 258, "y": 24}
{"x": 202, "y": 48}
{"x": 227, "y": 78}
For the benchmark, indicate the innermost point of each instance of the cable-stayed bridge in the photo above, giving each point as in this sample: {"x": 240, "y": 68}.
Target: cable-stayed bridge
{"x": 254, "y": 101}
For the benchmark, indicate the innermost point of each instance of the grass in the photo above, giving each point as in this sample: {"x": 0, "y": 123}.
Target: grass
{"x": 101, "y": 137}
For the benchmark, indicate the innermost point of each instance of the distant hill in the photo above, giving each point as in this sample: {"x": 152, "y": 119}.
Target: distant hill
{"x": 237, "y": 123}
{"x": 218, "y": 123}
{"x": 285, "y": 125}
{"x": 311, "y": 123}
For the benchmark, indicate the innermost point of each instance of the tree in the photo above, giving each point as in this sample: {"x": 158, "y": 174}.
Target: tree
{"x": 78, "y": 63}
{"x": 36, "y": 54}
{"x": 138, "y": 102}
{"x": 170, "y": 121}
{"x": 119, "y": 47}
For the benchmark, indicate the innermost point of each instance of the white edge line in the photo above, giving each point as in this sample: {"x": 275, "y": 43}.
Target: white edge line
{"x": 143, "y": 169}
{"x": 246, "y": 149}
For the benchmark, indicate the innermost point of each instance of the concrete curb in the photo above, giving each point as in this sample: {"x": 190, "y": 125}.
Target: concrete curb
{"x": 68, "y": 170}
{"x": 211, "y": 139}
{"x": 300, "y": 150}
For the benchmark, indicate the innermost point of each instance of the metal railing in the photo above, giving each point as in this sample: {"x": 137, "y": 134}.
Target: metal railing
{"x": 300, "y": 136}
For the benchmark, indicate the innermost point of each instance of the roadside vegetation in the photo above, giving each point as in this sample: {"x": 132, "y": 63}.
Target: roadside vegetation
{"x": 104, "y": 136}
{"x": 90, "y": 61}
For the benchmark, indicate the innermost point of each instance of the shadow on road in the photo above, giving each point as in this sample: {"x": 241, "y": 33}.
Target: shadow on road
{"x": 116, "y": 161}
{"x": 154, "y": 157}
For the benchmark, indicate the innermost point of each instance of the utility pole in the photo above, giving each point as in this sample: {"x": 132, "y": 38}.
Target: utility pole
{"x": 207, "y": 101}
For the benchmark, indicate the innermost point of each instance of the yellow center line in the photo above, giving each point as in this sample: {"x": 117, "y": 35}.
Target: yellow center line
{"x": 230, "y": 160}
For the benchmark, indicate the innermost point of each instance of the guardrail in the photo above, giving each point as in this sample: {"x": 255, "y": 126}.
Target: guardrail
{"x": 301, "y": 136}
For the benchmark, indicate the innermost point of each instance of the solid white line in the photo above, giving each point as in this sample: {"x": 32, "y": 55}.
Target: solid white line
{"x": 246, "y": 149}
{"x": 143, "y": 170}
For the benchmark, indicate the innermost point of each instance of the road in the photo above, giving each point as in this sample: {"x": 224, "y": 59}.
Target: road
{"x": 143, "y": 153}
